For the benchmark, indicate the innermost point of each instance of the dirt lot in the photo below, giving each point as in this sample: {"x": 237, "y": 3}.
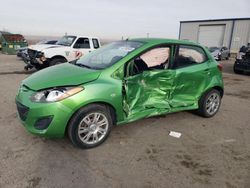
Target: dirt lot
{"x": 210, "y": 153}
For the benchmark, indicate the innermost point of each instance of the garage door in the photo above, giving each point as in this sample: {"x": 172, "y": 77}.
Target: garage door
{"x": 211, "y": 35}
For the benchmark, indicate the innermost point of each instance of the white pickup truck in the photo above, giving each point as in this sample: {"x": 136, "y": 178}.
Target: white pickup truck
{"x": 67, "y": 49}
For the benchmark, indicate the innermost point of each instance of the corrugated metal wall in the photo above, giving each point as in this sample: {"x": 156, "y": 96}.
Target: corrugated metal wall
{"x": 240, "y": 36}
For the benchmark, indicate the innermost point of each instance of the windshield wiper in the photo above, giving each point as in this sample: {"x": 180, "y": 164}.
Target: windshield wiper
{"x": 83, "y": 65}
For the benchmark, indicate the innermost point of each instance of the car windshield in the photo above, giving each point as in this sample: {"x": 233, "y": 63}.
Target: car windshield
{"x": 108, "y": 55}
{"x": 66, "y": 40}
{"x": 212, "y": 49}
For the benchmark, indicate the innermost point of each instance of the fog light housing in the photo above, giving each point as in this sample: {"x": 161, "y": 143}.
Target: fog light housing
{"x": 43, "y": 123}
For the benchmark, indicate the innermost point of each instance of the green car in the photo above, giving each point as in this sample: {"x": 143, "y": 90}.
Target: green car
{"x": 121, "y": 82}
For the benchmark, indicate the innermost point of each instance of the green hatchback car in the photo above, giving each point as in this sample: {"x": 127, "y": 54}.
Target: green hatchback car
{"x": 121, "y": 82}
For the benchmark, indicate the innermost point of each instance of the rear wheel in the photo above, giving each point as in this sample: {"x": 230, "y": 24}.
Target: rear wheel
{"x": 90, "y": 126}
{"x": 57, "y": 61}
{"x": 209, "y": 103}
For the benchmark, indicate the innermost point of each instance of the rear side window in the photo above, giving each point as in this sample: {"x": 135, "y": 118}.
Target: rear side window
{"x": 188, "y": 55}
{"x": 95, "y": 43}
{"x": 82, "y": 43}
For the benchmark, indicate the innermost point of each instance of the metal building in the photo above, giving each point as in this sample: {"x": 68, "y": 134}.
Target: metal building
{"x": 232, "y": 33}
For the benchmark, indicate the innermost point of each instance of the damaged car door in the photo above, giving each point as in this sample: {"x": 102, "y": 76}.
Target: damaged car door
{"x": 192, "y": 76}
{"x": 148, "y": 84}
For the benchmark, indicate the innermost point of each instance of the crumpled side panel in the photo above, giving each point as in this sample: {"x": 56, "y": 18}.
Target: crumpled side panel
{"x": 148, "y": 93}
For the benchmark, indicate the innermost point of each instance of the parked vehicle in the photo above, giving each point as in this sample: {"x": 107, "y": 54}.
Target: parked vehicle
{"x": 23, "y": 52}
{"x": 220, "y": 53}
{"x": 121, "y": 82}
{"x": 47, "y": 42}
{"x": 242, "y": 63}
{"x": 68, "y": 48}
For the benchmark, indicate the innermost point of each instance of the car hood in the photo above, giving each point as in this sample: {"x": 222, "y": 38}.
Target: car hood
{"x": 65, "y": 74}
{"x": 40, "y": 47}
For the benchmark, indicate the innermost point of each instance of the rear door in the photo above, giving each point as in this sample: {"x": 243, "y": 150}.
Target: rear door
{"x": 192, "y": 76}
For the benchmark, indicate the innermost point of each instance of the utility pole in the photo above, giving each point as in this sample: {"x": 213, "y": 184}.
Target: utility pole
{"x": 147, "y": 35}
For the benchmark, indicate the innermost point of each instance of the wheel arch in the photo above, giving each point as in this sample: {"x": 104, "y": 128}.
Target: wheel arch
{"x": 58, "y": 57}
{"x": 109, "y": 107}
{"x": 218, "y": 88}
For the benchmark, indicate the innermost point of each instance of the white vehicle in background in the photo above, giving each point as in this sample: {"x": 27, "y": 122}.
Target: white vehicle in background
{"x": 68, "y": 48}
{"x": 220, "y": 53}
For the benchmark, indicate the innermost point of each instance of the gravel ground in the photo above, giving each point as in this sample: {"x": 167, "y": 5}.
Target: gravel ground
{"x": 211, "y": 152}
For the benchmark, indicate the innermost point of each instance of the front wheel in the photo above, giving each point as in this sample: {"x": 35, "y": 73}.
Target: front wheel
{"x": 209, "y": 103}
{"x": 56, "y": 61}
{"x": 90, "y": 126}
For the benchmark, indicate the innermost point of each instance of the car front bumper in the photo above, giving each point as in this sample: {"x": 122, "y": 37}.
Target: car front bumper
{"x": 44, "y": 119}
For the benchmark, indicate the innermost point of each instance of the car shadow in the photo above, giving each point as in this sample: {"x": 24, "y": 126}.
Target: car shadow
{"x": 17, "y": 72}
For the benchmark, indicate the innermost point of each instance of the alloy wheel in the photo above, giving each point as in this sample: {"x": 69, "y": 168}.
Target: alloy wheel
{"x": 212, "y": 103}
{"x": 93, "y": 128}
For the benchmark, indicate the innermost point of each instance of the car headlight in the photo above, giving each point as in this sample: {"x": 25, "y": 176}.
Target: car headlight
{"x": 56, "y": 94}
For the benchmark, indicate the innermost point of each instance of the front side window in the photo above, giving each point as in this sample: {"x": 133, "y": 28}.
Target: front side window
{"x": 66, "y": 40}
{"x": 108, "y": 55}
{"x": 154, "y": 59}
{"x": 82, "y": 43}
{"x": 188, "y": 55}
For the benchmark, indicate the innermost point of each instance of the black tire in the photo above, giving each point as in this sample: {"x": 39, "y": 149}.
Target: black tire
{"x": 219, "y": 58}
{"x": 78, "y": 117}
{"x": 57, "y": 61}
{"x": 237, "y": 71}
{"x": 203, "y": 111}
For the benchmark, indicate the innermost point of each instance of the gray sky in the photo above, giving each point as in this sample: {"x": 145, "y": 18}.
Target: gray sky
{"x": 112, "y": 18}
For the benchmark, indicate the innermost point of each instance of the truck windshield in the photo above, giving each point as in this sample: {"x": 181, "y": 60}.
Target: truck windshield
{"x": 108, "y": 55}
{"x": 66, "y": 40}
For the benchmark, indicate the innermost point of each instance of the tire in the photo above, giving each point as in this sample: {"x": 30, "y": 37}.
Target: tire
{"x": 219, "y": 58}
{"x": 56, "y": 61}
{"x": 84, "y": 132}
{"x": 209, "y": 110}
{"x": 237, "y": 71}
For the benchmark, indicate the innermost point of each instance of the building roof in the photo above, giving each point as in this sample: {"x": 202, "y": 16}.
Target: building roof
{"x": 212, "y": 20}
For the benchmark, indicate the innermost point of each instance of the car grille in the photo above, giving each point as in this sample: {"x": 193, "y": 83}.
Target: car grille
{"x": 32, "y": 53}
{"x": 22, "y": 111}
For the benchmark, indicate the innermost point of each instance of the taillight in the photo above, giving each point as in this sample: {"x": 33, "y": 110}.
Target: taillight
{"x": 220, "y": 67}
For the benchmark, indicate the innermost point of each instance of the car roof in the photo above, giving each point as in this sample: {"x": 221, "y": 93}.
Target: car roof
{"x": 82, "y": 36}
{"x": 163, "y": 40}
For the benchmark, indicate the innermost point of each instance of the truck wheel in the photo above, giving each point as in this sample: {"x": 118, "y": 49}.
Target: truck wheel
{"x": 90, "y": 126}
{"x": 56, "y": 61}
{"x": 209, "y": 103}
